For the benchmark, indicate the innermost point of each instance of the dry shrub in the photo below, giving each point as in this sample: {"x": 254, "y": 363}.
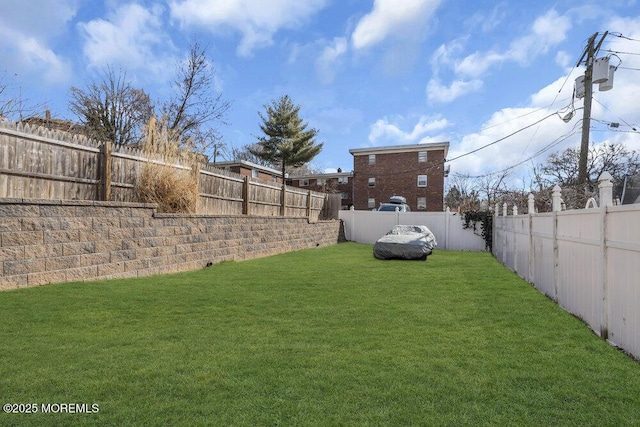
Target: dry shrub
{"x": 173, "y": 191}
{"x": 172, "y": 188}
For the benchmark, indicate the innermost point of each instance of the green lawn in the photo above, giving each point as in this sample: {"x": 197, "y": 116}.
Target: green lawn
{"x": 326, "y": 336}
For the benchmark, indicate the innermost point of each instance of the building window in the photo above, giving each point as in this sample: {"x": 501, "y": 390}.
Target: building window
{"x": 422, "y": 203}
{"x": 321, "y": 181}
{"x": 372, "y": 182}
{"x": 343, "y": 180}
{"x": 344, "y": 195}
{"x": 371, "y": 202}
{"x": 304, "y": 183}
{"x": 255, "y": 173}
{"x": 422, "y": 156}
{"x": 372, "y": 159}
{"x": 422, "y": 180}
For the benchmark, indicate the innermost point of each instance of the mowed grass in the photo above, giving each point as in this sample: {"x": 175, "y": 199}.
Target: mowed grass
{"x": 328, "y": 336}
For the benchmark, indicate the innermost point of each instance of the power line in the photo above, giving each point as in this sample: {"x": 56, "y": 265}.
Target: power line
{"x": 621, "y": 53}
{"x": 619, "y": 35}
{"x": 621, "y": 119}
{"x": 539, "y": 152}
{"x": 501, "y": 139}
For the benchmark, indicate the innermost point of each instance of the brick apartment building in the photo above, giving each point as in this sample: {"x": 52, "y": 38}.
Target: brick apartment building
{"x": 415, "y": 172}
{"x": 338, "y": 182}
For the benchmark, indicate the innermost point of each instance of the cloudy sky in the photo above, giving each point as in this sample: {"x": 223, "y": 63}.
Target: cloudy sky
{"x": 365, "y": 73}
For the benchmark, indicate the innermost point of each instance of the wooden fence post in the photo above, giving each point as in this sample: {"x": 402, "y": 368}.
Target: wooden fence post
{"x": 196, "y": 177}
{"x": 309, "y": 205}
{"x": 245, "y": 196}
{"x": 105, "y": 169}
{"x": 283, "y": 199}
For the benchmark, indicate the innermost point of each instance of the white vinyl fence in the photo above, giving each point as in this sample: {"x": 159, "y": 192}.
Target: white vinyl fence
{"x": 447, "y": 227}
{"x": 586, "y": 260}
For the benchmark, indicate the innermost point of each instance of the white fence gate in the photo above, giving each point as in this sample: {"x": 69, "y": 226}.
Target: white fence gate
{"x": 587, "y": 260}
{"x": 447, "y": 227}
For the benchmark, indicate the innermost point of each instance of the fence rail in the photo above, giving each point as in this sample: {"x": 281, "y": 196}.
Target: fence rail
{"x": 586, "y": 260}
{"x": 38, "y": 163}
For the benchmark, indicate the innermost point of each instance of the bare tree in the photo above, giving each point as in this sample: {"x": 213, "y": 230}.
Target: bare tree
{"x": 15, "y": 107}
{"x": 562, "y": 169}
{"x": 195, "y": 110}
{"x": 462, "y": 193}
{"x": 245, "y": 153}
{"x": 112, "y": 110}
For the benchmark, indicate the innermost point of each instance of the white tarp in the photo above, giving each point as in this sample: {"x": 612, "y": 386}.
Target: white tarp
{"x": 405, "y": 242}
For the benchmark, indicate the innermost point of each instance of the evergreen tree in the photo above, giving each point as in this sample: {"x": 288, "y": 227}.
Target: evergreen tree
{"x": 287, "y": 141}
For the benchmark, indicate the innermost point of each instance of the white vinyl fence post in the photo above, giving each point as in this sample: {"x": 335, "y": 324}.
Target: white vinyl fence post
{"x": 352, "y": 214}
{"x": 606, "y": 199}
{"x": 556, "y": 197}
{"x": 495, "y": 229}
{"x": 515, "y": 210}
{"x": 606, "y": 189}
{"x": 447, "y": 226}
{"x": 531, "y": 203}
{"x": 504, "y": 233}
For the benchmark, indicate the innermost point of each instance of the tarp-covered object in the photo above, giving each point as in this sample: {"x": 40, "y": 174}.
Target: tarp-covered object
{"x": 405, "y": 242}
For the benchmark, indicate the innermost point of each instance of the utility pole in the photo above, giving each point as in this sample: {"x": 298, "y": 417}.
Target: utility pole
{"x": 590, "y": 51}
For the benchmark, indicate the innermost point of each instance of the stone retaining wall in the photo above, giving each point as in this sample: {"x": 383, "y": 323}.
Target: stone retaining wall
{"x": 62, "y": 241}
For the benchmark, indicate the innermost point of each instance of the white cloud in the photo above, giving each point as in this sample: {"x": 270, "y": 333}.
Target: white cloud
{"x": 38, "y": 18}
{"x": 390, "y": 18}
{"x": 478, "y": 63}
{"x": 25, "y": 34}
{"x": 563, "y": 59}
{"x": 132, "y": 36}
{"x": 437, "y": 92}
{"x": 383, "y": 131}
{"x": 504, "y": 151}
{"x": 546, "y": 31}
{"x": 256, "y": 20}
{"x": 328, "y": 61}
{"x": 37, "y": 56}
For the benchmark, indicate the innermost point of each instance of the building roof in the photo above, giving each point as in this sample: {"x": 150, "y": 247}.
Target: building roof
{"x": 402, "y": 149}
{"x": 322, "y": 175}
{"x": 248, "y": 165}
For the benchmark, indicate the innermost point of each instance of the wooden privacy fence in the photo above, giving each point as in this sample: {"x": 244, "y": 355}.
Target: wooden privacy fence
{"x": 39, "y": 163}
{"x": 587, "y": 260}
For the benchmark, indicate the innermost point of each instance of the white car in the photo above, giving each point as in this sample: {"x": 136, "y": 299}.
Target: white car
{"x": 395, "y": 204}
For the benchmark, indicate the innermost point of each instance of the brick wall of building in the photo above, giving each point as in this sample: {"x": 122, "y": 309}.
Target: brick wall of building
{"x": 62, "y": 241}
{"x": 397, "y": 174}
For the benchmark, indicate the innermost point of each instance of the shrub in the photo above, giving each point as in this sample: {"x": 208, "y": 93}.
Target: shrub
{"x": 175, "y": 190}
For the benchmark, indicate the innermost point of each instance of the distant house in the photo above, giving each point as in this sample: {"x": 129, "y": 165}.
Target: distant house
{"x": 415, "y": 172}
{"x": 631, "y": 190}
{"x": 253, "y": 170}
{"x": 338, "y": 182}
{"x": 48, "y": 122}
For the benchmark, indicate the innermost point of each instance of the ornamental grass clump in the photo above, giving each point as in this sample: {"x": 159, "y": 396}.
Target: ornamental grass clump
{"x": 167, "y": 179}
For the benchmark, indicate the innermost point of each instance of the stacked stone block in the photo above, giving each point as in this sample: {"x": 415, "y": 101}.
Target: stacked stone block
{"x": 64, "y": 241}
